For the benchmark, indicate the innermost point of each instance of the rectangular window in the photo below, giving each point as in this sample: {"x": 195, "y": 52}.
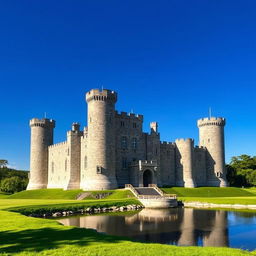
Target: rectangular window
{"x": 124, "y": 162}
{"x": 124, "y": 142}
{"x": 134, "y": 125}
{"x": 122, "y": 123}
{"x": 85, "y": 162}
{"x": 99, "y": 169}
{"x": 134, "y": 143}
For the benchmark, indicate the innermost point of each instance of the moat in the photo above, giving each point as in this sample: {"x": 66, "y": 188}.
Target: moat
{"x": 177, "y": 226}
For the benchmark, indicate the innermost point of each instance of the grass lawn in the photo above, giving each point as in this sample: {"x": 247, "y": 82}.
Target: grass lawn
{"x": 210, "y": 192}
{"x": 68, "y": 194}
{"x": 215, "y": 195}
{"x": 3, "y": 195}
{"x": 22, "y": 235}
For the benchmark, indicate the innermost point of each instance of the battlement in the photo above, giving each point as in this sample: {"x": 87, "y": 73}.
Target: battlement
{"x": 44, "y": 122}
{"x": 219, "y": 121}
{"x": 167, "y": 144}
{"x": 58, "y": 144}
{"x": 199, "y": 148}
{"x": 188, "y": 140}
{"x": 101, "y": 95}
{"x": 125, "y": 115}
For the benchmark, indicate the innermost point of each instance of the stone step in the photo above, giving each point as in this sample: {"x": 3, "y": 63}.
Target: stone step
{"x": 147, "y": 191}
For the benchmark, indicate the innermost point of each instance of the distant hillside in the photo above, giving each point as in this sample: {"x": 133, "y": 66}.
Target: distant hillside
{"x": 6, "y": 172}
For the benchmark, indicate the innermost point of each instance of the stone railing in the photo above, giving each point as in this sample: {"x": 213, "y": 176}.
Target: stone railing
{"x": 157, "y": 189}
{"x": 157, "y": 197}
{"x": 133, "y": 190}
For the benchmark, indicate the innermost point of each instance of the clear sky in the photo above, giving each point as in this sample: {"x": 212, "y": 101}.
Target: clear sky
{"x": 169, "y": 60}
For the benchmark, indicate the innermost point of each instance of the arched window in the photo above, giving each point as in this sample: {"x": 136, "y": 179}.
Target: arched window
{"x": 85, "y": 162}
{"x": 124, "y": 162}
{"x": 134, "y": 143}
{"x": 124, "y": 142}
{"x": 66, "y": 165}
{"x": 52, "y": 167}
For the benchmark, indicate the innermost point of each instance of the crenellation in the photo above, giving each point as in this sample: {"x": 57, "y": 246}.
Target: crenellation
{"x": 58, "y": 144}
{"x": 129, "y": 116}
{"x": 188, "y": 140}
{"x": 112, "y": 150}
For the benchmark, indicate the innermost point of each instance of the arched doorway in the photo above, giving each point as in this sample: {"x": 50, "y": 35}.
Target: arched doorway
{"x": 147, "y": 178}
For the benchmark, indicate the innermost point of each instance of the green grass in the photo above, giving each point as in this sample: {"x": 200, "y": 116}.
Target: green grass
{"x": 210, "y": 192}
{"x": 67, "y": 194}
{"x": 46, "y": 194}
{"x": 221, "y": 200}
{"x": 3, "y": 195}
{"x": 121, "y": 193}
{"x": 27, "y": 236}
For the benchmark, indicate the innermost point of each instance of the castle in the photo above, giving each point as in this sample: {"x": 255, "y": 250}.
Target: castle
{"x": 113, "y": 151}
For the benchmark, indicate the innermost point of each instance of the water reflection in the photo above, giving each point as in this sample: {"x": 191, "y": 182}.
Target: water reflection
{"x": 185, "y": 227}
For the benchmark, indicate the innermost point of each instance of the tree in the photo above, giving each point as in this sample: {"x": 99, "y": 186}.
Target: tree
{"x": 242, "y": 171}
{"x": 3, "y": 163}
{"x": 13, "y": 184}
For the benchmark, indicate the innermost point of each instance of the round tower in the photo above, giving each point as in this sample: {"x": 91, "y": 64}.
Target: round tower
{"x": 211, "y": 136}
{"x": 41, "y": 138}
{"x": 101, "y": 170}
{"x": 184, "y": 155}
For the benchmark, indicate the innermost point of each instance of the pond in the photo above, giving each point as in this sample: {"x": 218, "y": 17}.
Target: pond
{"x": 176, "y": 226}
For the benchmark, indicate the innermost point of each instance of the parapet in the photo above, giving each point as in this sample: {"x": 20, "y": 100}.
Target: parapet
{"x": 218, "y": 121}
{"x": 125, "y": 115}
{"x": 188, "y": 140}
{"x": 75, "y": 127}
{"x": 44, "y": 122}
{"x": 199, "y": 148}
{"x": 60, "y": 144}
{"x": 165, "y": 144}
{"x": 101, "y": 95}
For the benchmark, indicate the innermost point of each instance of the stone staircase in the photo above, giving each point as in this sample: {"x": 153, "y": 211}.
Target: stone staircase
{"x": 153, "y": 197}
{"x": 147, "y": 191}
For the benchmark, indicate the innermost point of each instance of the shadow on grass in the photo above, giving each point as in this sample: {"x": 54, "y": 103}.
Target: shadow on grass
{"x": 49, "y": 238}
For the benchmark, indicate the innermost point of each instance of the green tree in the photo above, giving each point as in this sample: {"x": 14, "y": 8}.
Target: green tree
{"x": 13, "y": 184}
{"x": 242, "y": 171}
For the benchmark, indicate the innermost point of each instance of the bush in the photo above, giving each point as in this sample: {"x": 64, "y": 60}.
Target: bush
{"x": 13, "y": 184}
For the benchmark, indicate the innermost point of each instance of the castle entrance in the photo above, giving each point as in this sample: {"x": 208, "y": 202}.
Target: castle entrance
{"x": 147, "y": 178}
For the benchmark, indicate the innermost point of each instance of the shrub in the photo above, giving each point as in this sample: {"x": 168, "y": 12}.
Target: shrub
{"x": 13, "y": 184}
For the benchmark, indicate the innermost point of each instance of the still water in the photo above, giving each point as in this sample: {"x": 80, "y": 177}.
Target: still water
{"x": 177, "y": 226}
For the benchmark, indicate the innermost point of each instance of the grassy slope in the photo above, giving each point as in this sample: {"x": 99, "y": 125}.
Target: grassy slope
{"x": 36, "y": 236}
{"x": 214, "y": 195}
{"x": 46, "y": 194}
{"x": 68, "y": 194}
{"x": 210, "y": 192}
{"x": 3, "y": 195}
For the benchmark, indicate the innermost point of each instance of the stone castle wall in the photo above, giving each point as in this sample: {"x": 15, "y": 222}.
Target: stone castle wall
{"x": 58, "y": 165}
{"x": 113, "y": 151}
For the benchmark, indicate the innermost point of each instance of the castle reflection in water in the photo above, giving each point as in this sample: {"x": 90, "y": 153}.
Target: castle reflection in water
{"x": 178, "y": 226}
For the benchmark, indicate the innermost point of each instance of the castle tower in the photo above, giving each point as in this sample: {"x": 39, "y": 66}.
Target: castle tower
{"x": 41, "y": 138}
{"x": 101, "y": 169}
{"x": 74, "y": 145}
{"x": 211, "y": 136}
{"x": 184, "y": 160}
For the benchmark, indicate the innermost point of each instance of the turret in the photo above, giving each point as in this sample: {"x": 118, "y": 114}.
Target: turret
{"x": 74, "y": 148}
{"x": 211, "y": 136}
{"x": 101, "y": 169}
{"x": 41, "y": 138}
{"x": 184, "y": 158}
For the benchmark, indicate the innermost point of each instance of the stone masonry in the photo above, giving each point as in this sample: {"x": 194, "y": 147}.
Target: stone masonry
{"x": 113, "y": 151}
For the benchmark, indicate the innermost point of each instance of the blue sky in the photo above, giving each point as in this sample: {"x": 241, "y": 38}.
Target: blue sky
{"x": 169, "y": 60}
